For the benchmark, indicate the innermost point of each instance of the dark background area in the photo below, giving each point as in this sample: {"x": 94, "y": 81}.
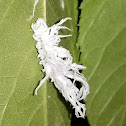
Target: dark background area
{"x": 79, "y": 121}
{"x": 74, "y": 120}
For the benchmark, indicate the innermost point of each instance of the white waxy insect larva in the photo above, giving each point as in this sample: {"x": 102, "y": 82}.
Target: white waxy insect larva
{"x": 58, "y": 66}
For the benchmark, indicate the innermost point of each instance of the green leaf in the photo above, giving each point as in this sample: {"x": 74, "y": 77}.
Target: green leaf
{"x": 102, "y": 42}
{"x": 19, "y": 69}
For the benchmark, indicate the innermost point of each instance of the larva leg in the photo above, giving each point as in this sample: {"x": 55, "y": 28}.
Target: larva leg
{"x": 63, "y": 36}
{"x": 84, "y": 89}
{"x": 78, "y": 78}
{"x": 60, "y": 27}
{"x": 82, "y": 80}
{"x": 63, "y": 20}
{"x": 54, "y": 27}
{"x": 64, "y": 27}
{"x": 74, "y": 78}
{"x": 41, "y": 83}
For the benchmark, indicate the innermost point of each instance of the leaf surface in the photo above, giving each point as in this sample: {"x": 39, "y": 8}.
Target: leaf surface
{"x": 19, "y": 69}
{"x": 102, "y": 42}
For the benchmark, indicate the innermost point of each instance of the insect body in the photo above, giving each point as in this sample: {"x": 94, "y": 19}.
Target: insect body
{"x": 58, "y": 66}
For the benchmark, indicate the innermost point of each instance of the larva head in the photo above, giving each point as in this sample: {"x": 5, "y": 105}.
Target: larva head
{"x": 53, "y": 31}
{"x": 63, "y": 55}
{"x": 40, "y": 26}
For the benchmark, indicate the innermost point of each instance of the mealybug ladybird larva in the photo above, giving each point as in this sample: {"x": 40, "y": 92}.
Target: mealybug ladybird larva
{"x": 58, "y": 66}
